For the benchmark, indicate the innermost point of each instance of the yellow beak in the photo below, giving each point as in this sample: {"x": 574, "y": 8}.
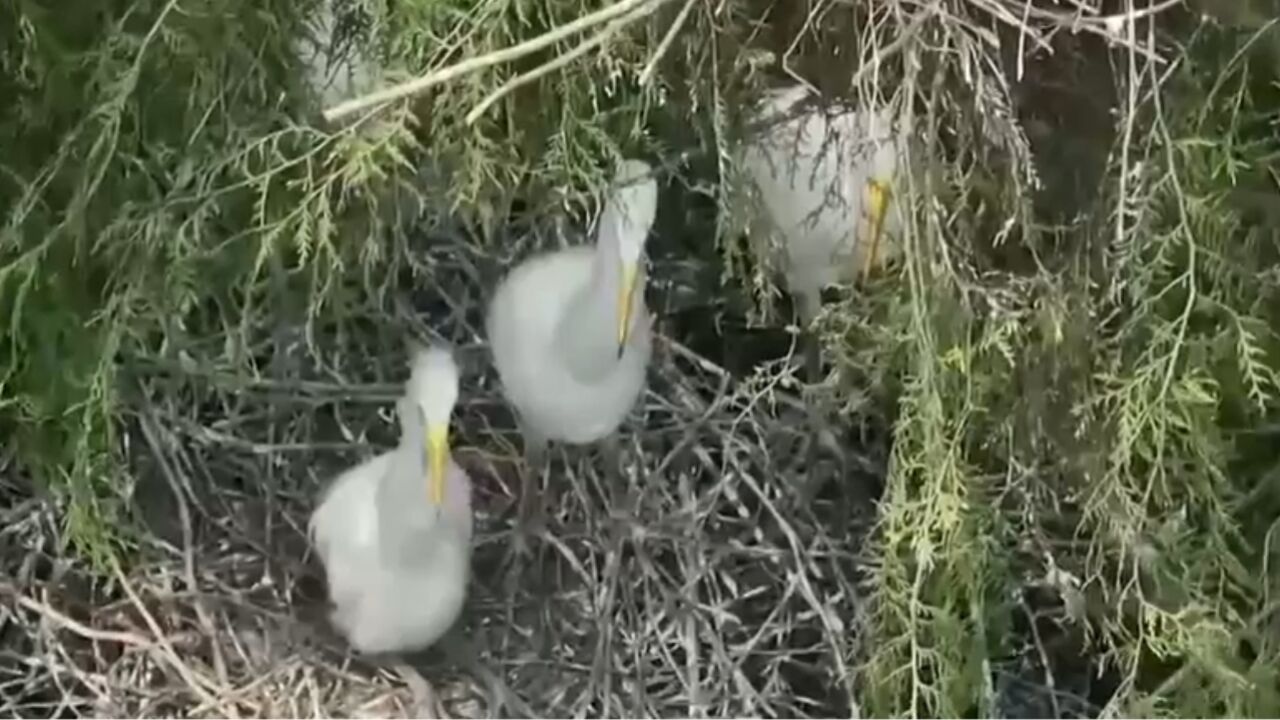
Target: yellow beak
{"x": 878, "y": 193}
{"x": 438, "y": 453}
{"x": 624, "y": 303}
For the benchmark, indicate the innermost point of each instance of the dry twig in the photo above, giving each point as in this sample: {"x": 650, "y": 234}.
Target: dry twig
{"x": 417, "y": 86}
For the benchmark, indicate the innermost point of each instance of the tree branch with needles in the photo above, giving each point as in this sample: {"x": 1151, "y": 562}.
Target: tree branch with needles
{"x": 625, "y": 11}
{"x": 560, "y": 61}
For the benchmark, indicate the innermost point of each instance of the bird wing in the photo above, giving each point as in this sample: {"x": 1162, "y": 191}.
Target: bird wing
{"x": 413, "y": 590}
{"x": 344, "y": 528}
{"x": 522, "y": 329}
{"x": 528, "y": 305}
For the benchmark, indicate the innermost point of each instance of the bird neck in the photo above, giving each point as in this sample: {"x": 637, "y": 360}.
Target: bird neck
{"x": 403, "y": 503}
{"x": 587, "y": 335}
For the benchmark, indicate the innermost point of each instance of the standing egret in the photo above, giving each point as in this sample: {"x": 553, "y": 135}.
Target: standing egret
{"x": 394, "y": 533}
{"x": 825, "y": 182}
{"x": 570, "y": 332}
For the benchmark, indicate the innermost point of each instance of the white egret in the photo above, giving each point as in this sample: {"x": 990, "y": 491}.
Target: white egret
{"x": 394, "y": 533}
{"x": 570, "y": 332}
{"x": 825, "y": 181}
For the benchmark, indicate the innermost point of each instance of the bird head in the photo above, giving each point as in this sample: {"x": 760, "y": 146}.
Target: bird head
{"x": 627, "y": 217}
{"x": 433, "y": 389}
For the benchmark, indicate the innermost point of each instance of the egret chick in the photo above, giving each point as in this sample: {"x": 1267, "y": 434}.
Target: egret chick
{"x": 826, "y": 182}
{"x": 570, "y": 332}
{"x": 394, "y": 533}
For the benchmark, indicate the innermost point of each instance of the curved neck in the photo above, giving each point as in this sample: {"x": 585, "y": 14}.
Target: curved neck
{"x": 403, "y": 501}
{"x": 587, "y": 334}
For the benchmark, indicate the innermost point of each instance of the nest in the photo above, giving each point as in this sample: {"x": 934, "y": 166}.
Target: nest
{"x": 737, "y": 583}
{"x": 730, "y": 588}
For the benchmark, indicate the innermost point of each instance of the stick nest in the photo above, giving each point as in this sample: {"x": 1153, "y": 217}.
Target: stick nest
{"x": 732, "y": 590}
{"x": 1077, "y": 364}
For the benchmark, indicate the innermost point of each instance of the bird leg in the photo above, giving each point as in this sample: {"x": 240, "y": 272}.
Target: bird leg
{"x": 812, "y": 358}
{"x": 535, "y": 449}
{"x": 621, "y": 499}
{"x": 821, "y": 438}
{"x": 532, "y": 508}
{"x": 425, "y": 702}
{"x": 809, "y": 301}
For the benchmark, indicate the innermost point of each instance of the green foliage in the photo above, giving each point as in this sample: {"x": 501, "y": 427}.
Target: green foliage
{"x": 551, "y": 138}
{"x": 1095, "y": 426}
{"x": 1095, "y": 431}
{"x": 125, "y": 180}
{"x": 158, "y": 183}
{"x": 1189, "y": 373}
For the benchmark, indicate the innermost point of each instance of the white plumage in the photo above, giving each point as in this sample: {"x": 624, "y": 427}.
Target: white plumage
{"x": 825, "y": 181}
{"x": 569, "y": 329}
{"x": 394, "y": 533}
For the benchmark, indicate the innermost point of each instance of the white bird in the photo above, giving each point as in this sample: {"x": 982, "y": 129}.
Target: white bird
{"x": 825, "y": 181}
{"x": 570, "y": 332}
{"x": 394, "y": 533}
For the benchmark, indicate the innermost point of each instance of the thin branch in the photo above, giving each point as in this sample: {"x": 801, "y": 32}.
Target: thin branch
{"x": 887, "y": 52}
{"x": 147, "y": 421}
{"x": 547, "y": 68}
{"x": 417, "y": 86}
{"x": 89, "y": 633}
{"x": 200, "y": 686}
{"x": 667, "y": 40}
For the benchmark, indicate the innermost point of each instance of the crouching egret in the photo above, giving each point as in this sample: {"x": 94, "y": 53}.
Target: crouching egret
{"x": 825, "y": 182}
{"x": 570, "y": 332}
{"x": 394, "y": 533}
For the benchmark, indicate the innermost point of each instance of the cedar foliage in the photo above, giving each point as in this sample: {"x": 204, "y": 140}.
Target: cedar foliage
{"x": 1077, "y": 358}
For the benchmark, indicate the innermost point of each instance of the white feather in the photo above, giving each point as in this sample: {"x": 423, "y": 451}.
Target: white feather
{"x": 812, "y": 172}
{"x": 553, "y": 324}
{"x": 522, "y": 330}
{"x": 397, "y": 566}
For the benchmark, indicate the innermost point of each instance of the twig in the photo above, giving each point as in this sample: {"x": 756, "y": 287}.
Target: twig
{"x": 417, "y": 86}
{"x": 895, "y": 46}
{"x": 701, "y": 362}
{"x": 373, "y": 393}
{"x": 693, "y": 558}
{"x": 667, "y": 40}
{"x": 253, "y": 684}
{"x": 1049, "y": 681}
{"x": 822, "y": 612}
{"x": 198, "y": 685}
{"x": 75, "y": 626}
{"x": 705, "y": 611}
{"x": 560, "y": 61}
{"x": 1131, "y": 15}
{"x": 147, "y": 421}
